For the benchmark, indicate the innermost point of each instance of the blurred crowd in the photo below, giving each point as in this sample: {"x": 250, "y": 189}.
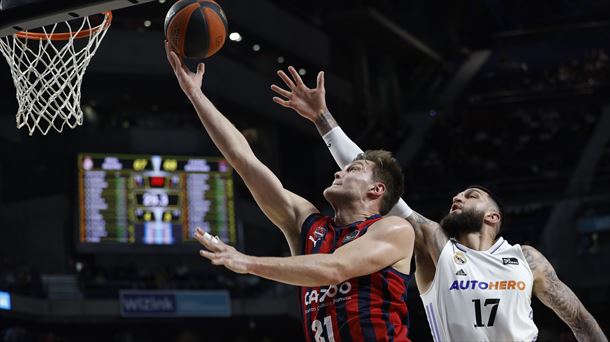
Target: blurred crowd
{"x": 577, "y": 72}
{"x": 19, "y": 277}
{"x": 99, "y": 281}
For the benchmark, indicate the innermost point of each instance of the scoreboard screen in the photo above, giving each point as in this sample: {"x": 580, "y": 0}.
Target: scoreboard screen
{"x": 139, "y": 200}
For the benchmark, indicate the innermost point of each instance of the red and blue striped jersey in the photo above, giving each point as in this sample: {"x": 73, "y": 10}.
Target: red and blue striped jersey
{"x": 367, "y": 308}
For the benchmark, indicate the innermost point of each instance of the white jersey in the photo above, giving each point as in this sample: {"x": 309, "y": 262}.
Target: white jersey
{"x": 481, "y": 295}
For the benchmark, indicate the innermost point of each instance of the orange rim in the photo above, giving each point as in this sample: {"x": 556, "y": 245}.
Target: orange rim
{"x": 66, "y": 35}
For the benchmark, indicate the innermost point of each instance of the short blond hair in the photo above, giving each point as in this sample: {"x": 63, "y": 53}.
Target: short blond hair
{"x": 388, "y": 172}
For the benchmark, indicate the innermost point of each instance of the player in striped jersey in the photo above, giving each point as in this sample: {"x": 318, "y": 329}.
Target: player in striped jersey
{"x": 352, "y": 268}
{"x": 462, "y": 263}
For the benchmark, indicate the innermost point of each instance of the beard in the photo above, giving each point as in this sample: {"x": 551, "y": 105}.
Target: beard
{"x": 468, "y": 221}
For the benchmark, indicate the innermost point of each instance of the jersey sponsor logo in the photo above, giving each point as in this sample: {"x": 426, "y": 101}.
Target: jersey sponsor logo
{"x": 313, "y": 240}
{"x": 325, "y": 296}
{"x": 472, "y": 284}
{"x": 460, "y": 273}
{"x": 459, "y": 258}
{"x": 510, "y": 261}
{"x": 318, "y": 234}
{"x": 349, "y": 237}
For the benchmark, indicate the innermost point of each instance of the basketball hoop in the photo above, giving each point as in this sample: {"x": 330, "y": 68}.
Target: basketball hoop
{"x": 48, "y": 69}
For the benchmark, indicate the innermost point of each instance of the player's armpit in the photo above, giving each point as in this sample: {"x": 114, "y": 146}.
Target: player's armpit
{"x": 285, "y": 209}
{"x": 560, "y": 298}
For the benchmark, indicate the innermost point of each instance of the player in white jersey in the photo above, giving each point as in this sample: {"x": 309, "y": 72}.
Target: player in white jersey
{"x": 479, "y": 294}
{"x": 474, "y": 285}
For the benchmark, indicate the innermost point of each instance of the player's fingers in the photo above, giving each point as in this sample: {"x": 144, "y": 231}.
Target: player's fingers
{"x": 219, "y": 245}
{"x": 280, "y": 91}
{"x": 206, "y": 254}
{"x": 206, "y": 240}
{"x": 295, "y": 76}
{"x": 286, "y": 79}
{"x": 281, "y": 102}
{"x": 217, "y": 261}
{"x": 166, "y": 45}
{"x": 175, "y": 61}
{"x": 199, "y": 233}
{"x": 177, "y": 64}
{"x": 200, "y": 69}
{"x": 320, "y": 80}
{"x": 201, "y": 239}
{"x": 170, "y": 59}
{"x": 173, "y": 58}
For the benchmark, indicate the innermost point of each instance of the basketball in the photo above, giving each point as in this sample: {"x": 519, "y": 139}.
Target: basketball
{"x": 195, "y": 28}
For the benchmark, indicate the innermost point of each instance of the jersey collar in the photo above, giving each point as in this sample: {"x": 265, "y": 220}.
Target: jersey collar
{"x": 491, "y": 249}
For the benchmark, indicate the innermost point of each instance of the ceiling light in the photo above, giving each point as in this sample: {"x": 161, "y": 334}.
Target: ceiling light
{"x": 235, "y": 36}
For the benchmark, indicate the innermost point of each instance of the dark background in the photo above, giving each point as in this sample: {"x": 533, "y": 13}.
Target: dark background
{"x": 510, "y": 94}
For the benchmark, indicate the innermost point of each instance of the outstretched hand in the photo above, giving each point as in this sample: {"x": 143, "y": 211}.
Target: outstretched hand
{"x": 309, "y": 103}
{"x": 188, "y": 80}
{"x": 219, "y": 253}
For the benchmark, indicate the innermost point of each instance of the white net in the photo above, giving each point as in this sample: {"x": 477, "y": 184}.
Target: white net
{"x": 48, "y": 69}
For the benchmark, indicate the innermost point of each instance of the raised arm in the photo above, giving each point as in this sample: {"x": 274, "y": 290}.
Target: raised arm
{"x": 283, "y": 208}
{"x": 557, "y": 296}
{"x": 388, "y": 242}
{"x": 310, "y": 103}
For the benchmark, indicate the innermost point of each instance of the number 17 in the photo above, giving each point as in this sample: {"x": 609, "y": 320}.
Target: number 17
{"x": 492, "y": 315}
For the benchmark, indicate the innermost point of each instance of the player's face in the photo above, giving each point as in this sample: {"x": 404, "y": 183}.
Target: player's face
{"x": 354, "y": 181}
{"x": 470, "y": 199}
{"x": 467, "y": 212}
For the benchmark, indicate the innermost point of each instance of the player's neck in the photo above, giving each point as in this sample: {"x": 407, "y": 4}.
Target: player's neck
{"x": 479, "y": 241}
{"x": 345, "y": 216}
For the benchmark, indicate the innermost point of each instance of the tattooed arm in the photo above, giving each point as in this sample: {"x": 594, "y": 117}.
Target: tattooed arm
{"x": 429, "y": 242}
{"x": 429, "y": 236}
{"x": 558, "y": 296}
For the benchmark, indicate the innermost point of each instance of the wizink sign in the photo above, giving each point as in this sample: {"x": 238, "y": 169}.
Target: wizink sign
{"x": 147, "y": 304}
{"x": 136, "y": 303}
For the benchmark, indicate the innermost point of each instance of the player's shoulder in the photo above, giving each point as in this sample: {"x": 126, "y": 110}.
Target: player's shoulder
{"x": 535, "y": 259}
{"x": 394, "y": 224}
{"x": 530, "y": 253}
{"x": 395, "y": 220}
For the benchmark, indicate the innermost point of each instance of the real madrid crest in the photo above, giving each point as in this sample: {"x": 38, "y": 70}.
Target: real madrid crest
{"x": 459, "y": 258}
{"x": 350, "y": 236}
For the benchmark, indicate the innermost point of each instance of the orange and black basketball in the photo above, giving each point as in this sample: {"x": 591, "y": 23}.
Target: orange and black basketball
{"x": 195, "y": 28}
